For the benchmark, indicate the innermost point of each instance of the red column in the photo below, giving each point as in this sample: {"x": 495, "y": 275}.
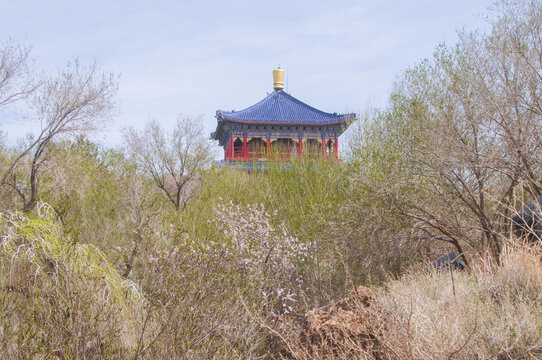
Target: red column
{"x": 231, "y": 153}
{"x": 337, "y": 148}
{"x": 244, "y": 146}
{"x": 300, "y": 149}
{"x": 323, "y": 146}
{"x": 268, "y": 147}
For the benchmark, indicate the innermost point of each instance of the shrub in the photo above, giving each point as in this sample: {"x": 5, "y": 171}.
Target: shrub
{"x": 59, "y": 297}
{"x": 493, "y": 312}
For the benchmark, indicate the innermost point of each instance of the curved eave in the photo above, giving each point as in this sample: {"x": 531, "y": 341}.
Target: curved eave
{"x": 346, "y": 120}
{"x": 287, "y": 123}
{"x": 219, "y": 133}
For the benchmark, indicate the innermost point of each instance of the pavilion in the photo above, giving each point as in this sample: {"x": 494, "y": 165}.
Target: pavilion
{"x": 278, "y": 128}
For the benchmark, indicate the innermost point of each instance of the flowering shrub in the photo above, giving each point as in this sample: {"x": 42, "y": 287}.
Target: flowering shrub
{"x": 270, "y": 258}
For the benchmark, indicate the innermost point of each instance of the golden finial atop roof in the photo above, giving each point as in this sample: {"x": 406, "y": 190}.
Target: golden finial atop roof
{"x": 278, "y": 79}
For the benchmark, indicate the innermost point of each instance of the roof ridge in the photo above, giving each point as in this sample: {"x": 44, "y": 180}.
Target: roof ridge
{"x": 250, "y": 107}
{"x": 310, "y": 107}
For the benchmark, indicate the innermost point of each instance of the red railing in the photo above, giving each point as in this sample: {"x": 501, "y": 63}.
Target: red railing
{"x": 278, "y": 154}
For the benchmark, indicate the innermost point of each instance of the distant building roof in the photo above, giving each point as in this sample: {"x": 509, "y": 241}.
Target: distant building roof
{"x": 280, "y": 108}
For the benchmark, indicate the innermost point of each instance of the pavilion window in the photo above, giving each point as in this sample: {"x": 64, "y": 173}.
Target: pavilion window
{"x": 255, "y": 148}
{"x": 311, "y": 147}
{"x": 283, "y": 148}
{"x": 238, "y": 148}
{"x": 329, "y": 148}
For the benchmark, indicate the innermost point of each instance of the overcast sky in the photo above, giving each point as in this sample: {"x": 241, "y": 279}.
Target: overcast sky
{"x": 195, "y": 57}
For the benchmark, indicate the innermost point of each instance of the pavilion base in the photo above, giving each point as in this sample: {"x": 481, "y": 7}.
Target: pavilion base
{"x": 251, "y": 165}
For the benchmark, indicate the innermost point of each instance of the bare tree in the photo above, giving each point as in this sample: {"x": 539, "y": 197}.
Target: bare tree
{"x": 73, "y": 102}
{"x": 15, "y": 82}
{"x": 172, "y": 159}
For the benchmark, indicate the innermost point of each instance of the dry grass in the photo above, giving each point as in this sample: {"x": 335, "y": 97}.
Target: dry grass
{"x": 493, "y": 312}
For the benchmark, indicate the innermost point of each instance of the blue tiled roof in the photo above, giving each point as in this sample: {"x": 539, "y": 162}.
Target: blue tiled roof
{"x": 282, "y": 108}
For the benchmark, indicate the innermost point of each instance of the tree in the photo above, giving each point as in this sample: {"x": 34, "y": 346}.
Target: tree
{"x": 173, "y": 159}
{"x": 463, "y": 132}
{"x": 15, "y": 82}
{"x": 73, "y": 102}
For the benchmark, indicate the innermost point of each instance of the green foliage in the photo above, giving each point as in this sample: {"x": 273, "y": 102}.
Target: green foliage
{"x": 82, "y": 186}
{"x": 303, "y": 196}
{"x": 101, "y": 198}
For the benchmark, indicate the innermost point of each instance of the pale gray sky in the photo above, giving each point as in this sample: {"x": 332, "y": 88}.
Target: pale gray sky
{"x": 194, "y": 57}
